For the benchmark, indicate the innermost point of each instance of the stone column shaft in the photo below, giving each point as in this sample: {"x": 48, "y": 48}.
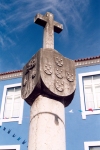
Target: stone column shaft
{"x": 47, "y": 125}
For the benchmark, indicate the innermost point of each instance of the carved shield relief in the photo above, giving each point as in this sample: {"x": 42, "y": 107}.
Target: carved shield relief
{"x": 48, "y": 73}
{"x": 57, "y": 73}
{"x": 29, "y": 79}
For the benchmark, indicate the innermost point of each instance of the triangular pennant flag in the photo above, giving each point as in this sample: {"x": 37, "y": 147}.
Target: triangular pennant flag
{"x": 90, "y": 109}
{"x": 13, "y": 135}
{"x": 80, "y": 111}
{"x": 71, "y": 111}
{"x": 9, "y": 131}
{"x": 4, "y": 128}
{"x": 18, "y": 138}
{"x": 24, "y": 142}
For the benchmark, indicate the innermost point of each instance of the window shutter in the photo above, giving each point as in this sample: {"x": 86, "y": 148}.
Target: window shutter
{"x": 97, "y": 96}
{"x": 17, "y": 102}
{"x": 7, "y": 110}
{"x": 16, "y": 106}
{"x": 12, "y": 104}
{"x": 89, "y": 97}
{"x": 8, "y": 103}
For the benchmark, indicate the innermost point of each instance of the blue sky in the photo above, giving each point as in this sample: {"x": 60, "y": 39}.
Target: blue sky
{"x": 20, "y": 38}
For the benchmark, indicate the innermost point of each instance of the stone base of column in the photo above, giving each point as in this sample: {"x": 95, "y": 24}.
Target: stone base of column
{"x": 47, "y": 125}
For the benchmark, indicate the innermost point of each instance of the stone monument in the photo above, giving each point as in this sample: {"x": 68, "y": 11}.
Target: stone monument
{"x": 48, "y": 85}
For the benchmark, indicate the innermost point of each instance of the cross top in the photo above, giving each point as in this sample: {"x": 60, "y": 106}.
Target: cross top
{"x": 50, "y": 26}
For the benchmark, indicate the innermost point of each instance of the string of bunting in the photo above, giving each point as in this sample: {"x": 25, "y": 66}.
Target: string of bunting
{"x": 14, "y": 135}
{"x": 90, "y": 109}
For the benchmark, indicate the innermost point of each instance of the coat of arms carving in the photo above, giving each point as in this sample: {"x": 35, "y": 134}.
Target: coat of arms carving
{"x": 59, "y": 85}
{"x": 69, "y": 76}
{"x": 58, "y": 73}
{"x": 48, "y": 69}
{"x": 59, "y": 61}
{"x": 48, "y": 73}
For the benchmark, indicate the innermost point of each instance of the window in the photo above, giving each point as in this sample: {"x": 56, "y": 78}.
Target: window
{"x": 94, "y": 145}
{"x": 92, "y": 92}
{"x": 94, "y": 148}
{"x": 89, "y": 84}
{"x": 10, "y": 147}
{"x": 12, "y": 104}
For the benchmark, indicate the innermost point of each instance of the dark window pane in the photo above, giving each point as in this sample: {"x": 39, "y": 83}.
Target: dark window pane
{"x": 94, "y": 148}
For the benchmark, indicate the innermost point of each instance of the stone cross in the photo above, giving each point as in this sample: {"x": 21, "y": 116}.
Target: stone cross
{"x": 48, "y": 85}
{"x": 50, "y": 26}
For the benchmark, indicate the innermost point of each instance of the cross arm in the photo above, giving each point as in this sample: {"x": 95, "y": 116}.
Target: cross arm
{"x": 58, "y": 27}
{"x": 40, "y": 20}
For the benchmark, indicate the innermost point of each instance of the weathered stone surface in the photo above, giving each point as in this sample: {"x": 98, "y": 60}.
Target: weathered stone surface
{"x": 49, "y": 73}
{"x": 47, "y": 125}
{"x": 50, "y": 26}
{"x": 48, "y": 84}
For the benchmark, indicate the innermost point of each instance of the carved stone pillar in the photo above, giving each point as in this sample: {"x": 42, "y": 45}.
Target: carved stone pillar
{"x": 48, "y": 85}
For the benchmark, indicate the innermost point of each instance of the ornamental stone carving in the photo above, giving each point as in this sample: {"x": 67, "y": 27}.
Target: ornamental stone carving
{"x": 48, "y": 69}
{"x": 59, "y": 85}
{"x": 59, "y": 73}
{"x": 59, "y": 61}
{"x": 43, "y": 75}
{"x": 69, "y": 76}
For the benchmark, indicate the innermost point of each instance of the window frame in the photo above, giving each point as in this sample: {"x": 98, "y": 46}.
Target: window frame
{"x": 16, "y": 147}
{"x": 81, "y": 89}
{"x": 93, "y": 143}
{"x": 3, "y": 104}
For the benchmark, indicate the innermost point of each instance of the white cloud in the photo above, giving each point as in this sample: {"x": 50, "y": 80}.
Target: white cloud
{"x": 17, "y": 61}
{"x": 1, "y": 41}
{"x": 22, "y": 12}
{"x": 4, "y": 6}
{"x": 5, "y": 41}
{"x": 19, "y": 13}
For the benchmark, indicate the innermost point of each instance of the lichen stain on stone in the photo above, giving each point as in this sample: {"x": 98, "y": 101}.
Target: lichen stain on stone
{"x": 56, "y": 120}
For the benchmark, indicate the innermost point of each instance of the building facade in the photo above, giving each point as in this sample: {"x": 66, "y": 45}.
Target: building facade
{"x": 82, "y": 116}
{"x": 14, "y": 113}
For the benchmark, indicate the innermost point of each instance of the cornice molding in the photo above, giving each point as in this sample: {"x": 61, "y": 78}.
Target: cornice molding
{"x": 87, "y": 62}
{"x": 10, "y": 75}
